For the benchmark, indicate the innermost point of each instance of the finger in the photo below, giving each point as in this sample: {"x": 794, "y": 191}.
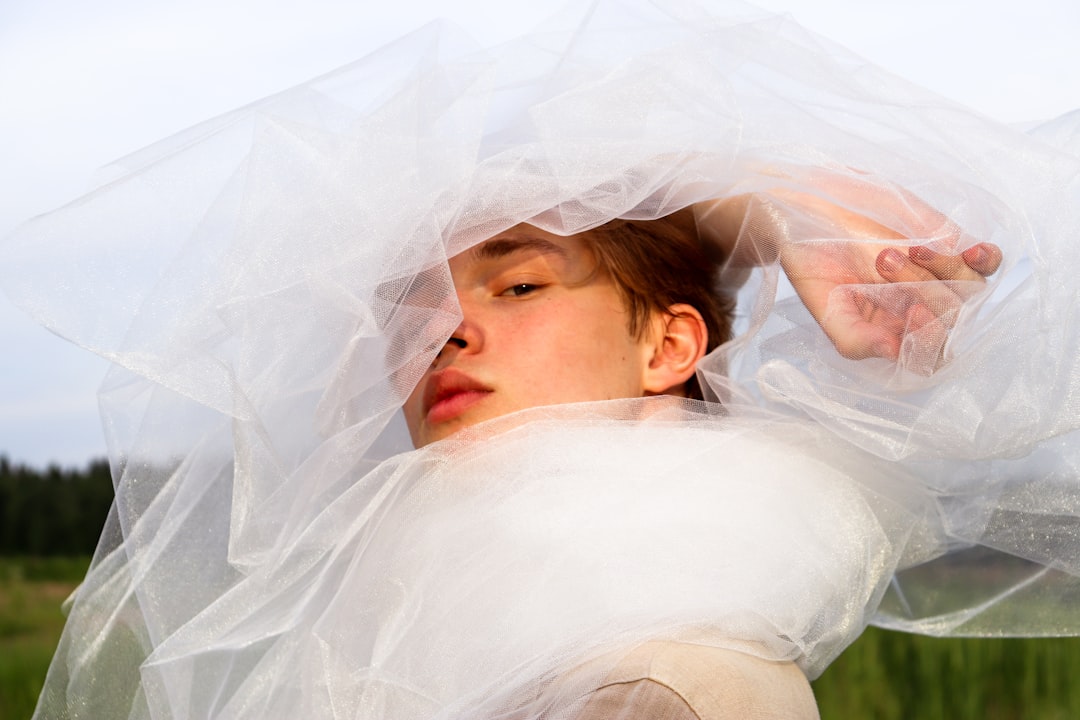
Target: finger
{"x": 975, "y": 263}
{"x": 915, "y": 339}
{"x": 916, "y": 285}
{"x": 862, "y": 339}
{"x": 942, "y": 266}
{"x": 984, "y": 258}
{"x": 896, "y": 266}
{"x": 858, "y": 328}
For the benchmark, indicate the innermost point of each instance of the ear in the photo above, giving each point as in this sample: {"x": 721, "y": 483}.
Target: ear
{"x": 677, "y": 342}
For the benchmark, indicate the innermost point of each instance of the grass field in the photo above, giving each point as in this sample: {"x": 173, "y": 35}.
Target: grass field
{"x": 891, "y": 675}
{"x": 31, "y": 592}
{"x": 883, "y": 675}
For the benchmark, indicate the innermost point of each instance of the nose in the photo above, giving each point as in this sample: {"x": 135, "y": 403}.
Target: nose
{"x": 449, "y": 351}
{"x": 467, "y": 336}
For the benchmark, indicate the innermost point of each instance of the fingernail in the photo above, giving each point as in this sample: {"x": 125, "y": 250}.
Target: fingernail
{"x": 975, "y": 255}
{"x": 891, "y": 260}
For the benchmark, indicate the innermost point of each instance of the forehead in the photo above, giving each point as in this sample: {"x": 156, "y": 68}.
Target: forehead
{"x": 529, "y": 241}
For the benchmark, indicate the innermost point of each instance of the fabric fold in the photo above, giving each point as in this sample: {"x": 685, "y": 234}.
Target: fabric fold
{"x": 272, "y": 284}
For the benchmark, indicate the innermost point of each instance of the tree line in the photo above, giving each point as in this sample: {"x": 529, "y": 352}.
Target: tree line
{"x": 53, "y": 512}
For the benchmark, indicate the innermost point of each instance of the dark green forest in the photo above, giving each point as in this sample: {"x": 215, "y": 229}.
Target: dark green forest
{"x": 58, "y": 511}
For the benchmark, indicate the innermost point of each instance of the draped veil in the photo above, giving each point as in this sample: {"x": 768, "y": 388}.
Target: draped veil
{"x": 272, "y": 283}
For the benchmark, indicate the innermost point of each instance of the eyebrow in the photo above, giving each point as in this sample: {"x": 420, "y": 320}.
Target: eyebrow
{"x": 501, "y": 247}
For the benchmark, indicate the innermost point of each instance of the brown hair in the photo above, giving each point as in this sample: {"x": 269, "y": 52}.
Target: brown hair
{"x": 660, "y": 263}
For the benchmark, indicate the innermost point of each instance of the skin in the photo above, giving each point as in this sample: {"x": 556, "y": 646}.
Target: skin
{"x": 836, "y": 281}
{"x": 542, "y": 325}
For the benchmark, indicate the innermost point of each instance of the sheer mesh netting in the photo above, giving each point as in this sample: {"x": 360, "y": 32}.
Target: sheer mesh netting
{"x": 271, "y": 285}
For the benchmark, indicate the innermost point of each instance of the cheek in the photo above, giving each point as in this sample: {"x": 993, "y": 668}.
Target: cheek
{"x": 411, "y": 408}
{"x": 577, "y": 352}
{"x": 540, "y": 349}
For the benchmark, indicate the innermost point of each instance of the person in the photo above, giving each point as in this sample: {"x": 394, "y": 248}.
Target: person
{"x": 281, "y": 281}
{"x": 627, "y": 310}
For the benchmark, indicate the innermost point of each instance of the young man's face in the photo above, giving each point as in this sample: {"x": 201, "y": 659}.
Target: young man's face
{"x": 542, "y": 326}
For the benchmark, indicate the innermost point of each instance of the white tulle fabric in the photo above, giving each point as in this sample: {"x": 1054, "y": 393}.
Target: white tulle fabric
{"x": 277, "y": 549}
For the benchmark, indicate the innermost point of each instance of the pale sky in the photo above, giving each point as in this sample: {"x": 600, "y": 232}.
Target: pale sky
{"x": 82, "y": 84}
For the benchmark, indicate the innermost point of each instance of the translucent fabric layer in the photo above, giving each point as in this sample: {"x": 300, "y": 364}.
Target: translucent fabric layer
{"x": 272, "y": 284}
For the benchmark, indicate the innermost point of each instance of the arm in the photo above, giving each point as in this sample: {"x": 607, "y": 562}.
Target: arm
{"x": 869, "y": 295}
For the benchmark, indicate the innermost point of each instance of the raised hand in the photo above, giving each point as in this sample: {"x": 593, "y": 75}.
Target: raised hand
{"x": 884, "y": 274}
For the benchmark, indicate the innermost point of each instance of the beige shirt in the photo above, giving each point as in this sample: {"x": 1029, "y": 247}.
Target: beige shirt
{"x": 682, "y": 681}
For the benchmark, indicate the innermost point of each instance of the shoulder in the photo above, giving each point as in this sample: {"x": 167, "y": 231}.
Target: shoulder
{"x": 686, "y": 681}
